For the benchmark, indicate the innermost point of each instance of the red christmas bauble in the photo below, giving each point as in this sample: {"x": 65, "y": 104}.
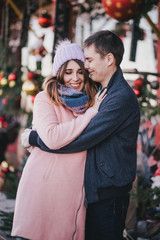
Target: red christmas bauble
{"x": 11, "y": 77}
{"x": 5, "y": 124}
{"x": 137, "y": 92}
{"x": 122, "y": 10}
{"x": 138, "y": 83}
{"x": 32, "y": 75}
{"x": 5, "y": 101}
{"x": 1, "y": 119}
{"x": 33, "y": 98}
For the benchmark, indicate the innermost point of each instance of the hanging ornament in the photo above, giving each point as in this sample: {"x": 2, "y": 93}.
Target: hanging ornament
{"x": 138, "y": 83}
{"x": 30, "y": 87}
{"x": 5, "y": 101}
{"x": 0, "y": 82}
{"x": 12, "y": 83}
{"x": 4, "y": 166}
{"x": 12, "y": 80}
{"x": 137, "y": 92}
{"x": 5, "y": 124}
{"x": 33, "y": 98}
{"x": 1, "y": 122}
{"x": 3, "y": 82}
{"x": 11, "y": 169}
{"x": 122, "y": 10}
{"x": 11, "y": 77}
{"x": 32, "y": 75}
{"x": 1, "y": 76}
{"x": 45, "y": 20}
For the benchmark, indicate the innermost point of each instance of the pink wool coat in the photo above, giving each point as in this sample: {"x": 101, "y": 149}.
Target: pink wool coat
{"x": 50, "y": 196}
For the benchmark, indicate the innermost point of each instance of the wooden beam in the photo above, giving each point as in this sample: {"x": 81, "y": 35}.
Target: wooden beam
{"x": 15, "y": 8}
{"x": 153, "y": 26}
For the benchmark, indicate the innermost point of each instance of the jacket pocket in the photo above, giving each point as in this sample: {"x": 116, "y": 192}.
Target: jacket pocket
{"x": 49, "y": 170}
{"x": 104, "y": 164}
{"x": 106, "y": 169}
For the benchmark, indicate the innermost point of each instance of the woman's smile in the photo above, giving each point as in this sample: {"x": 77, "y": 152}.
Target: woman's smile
{"x": 73, "y": 76}
{"x": 75, "y": 85}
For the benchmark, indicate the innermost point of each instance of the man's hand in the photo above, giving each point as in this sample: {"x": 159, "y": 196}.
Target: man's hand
{"x": 25, "y": 138}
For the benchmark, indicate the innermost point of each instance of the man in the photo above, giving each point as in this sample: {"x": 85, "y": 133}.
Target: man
{"x": 110, "y": 138}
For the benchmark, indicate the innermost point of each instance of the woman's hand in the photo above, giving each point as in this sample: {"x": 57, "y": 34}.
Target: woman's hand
{"x": 99, "y": 99}
{"x": 25, "y": 138}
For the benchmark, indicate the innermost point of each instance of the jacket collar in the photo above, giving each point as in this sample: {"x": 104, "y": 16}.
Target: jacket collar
{"x": 115, "y": 77}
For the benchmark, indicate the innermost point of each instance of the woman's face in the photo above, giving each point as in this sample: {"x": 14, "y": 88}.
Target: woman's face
{"x": 73, "y": 76}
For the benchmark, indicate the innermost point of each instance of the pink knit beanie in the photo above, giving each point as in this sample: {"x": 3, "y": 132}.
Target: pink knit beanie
{"x": 65, "y": 51}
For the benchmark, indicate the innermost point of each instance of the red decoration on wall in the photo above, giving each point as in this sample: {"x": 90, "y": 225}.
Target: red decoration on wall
{"x": 122, "y": 10}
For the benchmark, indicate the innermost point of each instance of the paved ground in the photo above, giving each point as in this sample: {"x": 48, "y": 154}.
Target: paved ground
{"x": 6, "y": 213}
{"x": 6, "y": 205}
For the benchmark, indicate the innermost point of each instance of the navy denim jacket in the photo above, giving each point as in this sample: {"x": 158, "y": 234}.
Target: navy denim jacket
{"x": 111, "y": 141}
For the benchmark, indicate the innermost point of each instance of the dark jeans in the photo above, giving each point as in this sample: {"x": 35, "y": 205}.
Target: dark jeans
{"x": 105, "y": 220}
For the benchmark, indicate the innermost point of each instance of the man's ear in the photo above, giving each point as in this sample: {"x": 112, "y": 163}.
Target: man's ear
{"x": 110, "y": 59}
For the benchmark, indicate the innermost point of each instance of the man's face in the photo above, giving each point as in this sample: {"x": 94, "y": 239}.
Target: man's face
{"x": 95, "y": 64}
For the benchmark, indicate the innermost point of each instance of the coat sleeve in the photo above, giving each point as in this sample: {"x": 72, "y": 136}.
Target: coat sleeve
{"x": 54, "y": 134}
{"x": 107, "y": 122}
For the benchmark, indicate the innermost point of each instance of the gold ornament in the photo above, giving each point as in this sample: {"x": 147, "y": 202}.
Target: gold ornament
{"x": 12, "y": 83}
{"x": 4, "y": 81}
{"x": 30, "y": 87}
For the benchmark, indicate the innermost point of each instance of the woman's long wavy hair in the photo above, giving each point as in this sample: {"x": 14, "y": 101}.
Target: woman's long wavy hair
{"x": 50, "y": 85}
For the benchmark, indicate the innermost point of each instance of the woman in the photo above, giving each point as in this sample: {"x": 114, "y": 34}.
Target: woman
{"x": 50, "y": 196}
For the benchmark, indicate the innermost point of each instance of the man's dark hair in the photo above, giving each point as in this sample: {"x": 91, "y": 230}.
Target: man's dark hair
{"x": 106, "y": 42}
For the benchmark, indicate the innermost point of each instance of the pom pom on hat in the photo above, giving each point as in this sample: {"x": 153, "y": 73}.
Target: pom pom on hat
{"x": 65, "y": 51}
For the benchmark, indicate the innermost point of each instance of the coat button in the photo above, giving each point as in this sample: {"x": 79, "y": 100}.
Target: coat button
{"x": 102, "y": 164}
